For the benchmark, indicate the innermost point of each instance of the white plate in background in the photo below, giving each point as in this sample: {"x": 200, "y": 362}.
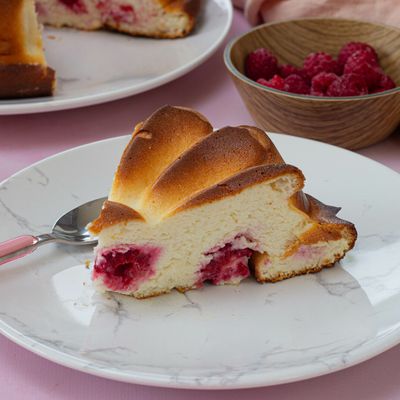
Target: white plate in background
{"x": 100, "y": 66}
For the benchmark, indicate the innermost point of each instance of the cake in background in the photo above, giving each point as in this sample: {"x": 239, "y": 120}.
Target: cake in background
{"x": 23, "y": 68}
{"x": 152, "y": 18}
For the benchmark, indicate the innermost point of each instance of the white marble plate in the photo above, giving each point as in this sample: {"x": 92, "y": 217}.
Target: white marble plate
{"x": 217, "y": 337}
{"x": 96, "y": 67}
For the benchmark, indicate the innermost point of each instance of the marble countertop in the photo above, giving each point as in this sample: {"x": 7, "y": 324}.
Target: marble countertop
{"x": 28, "y": 138}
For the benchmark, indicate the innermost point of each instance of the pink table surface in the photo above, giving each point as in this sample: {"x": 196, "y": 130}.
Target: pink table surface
{"x": 28, "y": 138}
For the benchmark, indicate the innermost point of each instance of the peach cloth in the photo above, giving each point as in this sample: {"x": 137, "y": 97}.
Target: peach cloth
{"x": 384, "y": 11}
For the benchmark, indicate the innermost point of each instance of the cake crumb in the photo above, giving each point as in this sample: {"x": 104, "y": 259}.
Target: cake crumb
{"x": 51, "y": 37}
{"x": 87, "y": 264}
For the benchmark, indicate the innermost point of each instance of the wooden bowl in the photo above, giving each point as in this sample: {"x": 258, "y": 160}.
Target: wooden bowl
{"x": 351, "y": 122}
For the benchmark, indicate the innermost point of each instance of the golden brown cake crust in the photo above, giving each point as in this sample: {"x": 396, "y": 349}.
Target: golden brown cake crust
{"x": 113, "y": 213}
{"x": 156, "y": 143}
{"x": 15, "y": 16}
{"x": 218, "y": 156}
{"x": 11, "y": 39}
{"x": 285, "y": 275}
{"x": 272, "y": 155}
{"x": 24, "y": 80}
{"x": 23, "y": 70}
{"x": 326, "y": 227}
{"x": 190, "y": 8}
{"x": 325, "y": 213}
{"x": 241, "y": 181}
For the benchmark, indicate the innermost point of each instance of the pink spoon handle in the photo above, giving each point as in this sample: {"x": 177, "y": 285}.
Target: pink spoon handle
{"x": 15, "y": 248}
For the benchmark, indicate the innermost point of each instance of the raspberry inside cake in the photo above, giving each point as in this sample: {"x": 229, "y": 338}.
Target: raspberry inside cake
{"x": 125, "y": 267}
{"x": 200, "y": 206}
{"x": 228, "y": 265}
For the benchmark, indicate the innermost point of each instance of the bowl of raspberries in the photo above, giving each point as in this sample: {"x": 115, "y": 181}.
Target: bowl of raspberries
{"x": 332, "y": 80}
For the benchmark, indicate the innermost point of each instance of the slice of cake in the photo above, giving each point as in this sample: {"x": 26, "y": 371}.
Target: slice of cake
{"x": 190, "y": 205}
{"x": 153, "y": 18}
{"x": 23, "y": 68}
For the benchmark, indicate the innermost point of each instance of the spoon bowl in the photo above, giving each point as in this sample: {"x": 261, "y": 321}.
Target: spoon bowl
{"x": 71, "y": 228}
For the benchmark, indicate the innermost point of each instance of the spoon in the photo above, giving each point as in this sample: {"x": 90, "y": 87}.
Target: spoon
{"x": 71, "y": 228}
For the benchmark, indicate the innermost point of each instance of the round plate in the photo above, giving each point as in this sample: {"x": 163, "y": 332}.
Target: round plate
{"x": 216, "y": 337}
{"x": 96, "y": 67}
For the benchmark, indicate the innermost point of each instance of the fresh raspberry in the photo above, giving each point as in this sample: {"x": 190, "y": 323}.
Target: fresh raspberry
{"x": 348, "y": 85}
{"x": 350, "y": 48}
{"x": 261, "y": 64}
{"x": 385, "y": 83}
{"x": 276, "y": 82}
{"x": 359, "y": 63}
{"x": 296, "y": 84}
{"x": 286, "y": 69}
{"x": 363, "y": 56}
{"x": 315, "y": 63}
{"x": 321, "y": 82}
